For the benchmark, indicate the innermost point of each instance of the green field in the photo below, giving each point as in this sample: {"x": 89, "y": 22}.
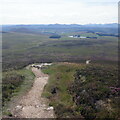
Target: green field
{"x": 20, "y": 49}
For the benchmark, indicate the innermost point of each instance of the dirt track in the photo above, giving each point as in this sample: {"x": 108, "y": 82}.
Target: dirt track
{"x": 33, "y": 105}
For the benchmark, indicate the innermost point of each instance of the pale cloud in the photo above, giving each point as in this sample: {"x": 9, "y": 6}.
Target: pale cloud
{"x": 58, "y": 11}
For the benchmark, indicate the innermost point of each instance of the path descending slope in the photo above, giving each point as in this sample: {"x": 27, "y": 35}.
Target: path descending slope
{"x": 33, "y": 105}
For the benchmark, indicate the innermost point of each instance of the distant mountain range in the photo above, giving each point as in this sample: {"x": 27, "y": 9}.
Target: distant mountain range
{"x": 103, "y": 25}
{"x": 65, "y": 25}
{"x": 38, "y": 28}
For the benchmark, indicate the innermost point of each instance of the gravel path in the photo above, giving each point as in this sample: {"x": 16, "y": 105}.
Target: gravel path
{"x": 33, "y": 105}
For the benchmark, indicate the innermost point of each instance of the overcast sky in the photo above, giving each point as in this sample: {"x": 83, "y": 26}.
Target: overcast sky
{"x": 59, "y": 11}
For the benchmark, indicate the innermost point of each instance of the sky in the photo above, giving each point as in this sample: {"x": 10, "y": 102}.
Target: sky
{"x": 59, "y": 11}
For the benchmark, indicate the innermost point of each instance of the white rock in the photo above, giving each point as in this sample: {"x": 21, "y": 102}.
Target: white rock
{"x": 18, "y": 107}
{"x": 88, "y": 61}
{"x": 50, "y": 108}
